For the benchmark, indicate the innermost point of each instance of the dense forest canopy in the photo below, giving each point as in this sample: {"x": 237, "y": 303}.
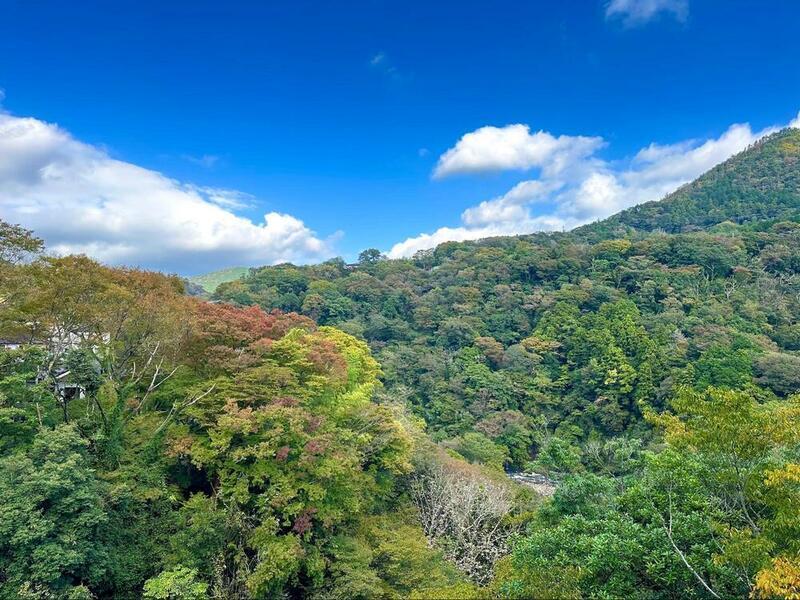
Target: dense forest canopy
{"x": 344, "y": 431}
{"x": 577, "y": 333}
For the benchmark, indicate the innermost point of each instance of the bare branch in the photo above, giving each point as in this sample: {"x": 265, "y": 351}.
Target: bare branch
{"x": 176, "y": 408}
{"x": 465, "y": 516}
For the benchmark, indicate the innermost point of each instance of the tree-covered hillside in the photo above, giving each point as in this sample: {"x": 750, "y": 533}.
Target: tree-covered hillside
{"x": 760, "y": 184}
{"x": 154, "y": 445}
{"x": 503, "y": 342}
{"x": 558, "y": 352}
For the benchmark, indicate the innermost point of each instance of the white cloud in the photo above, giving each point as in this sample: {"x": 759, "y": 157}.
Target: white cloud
{"x": 584, "y": 188}
{"x": 425, "y": 241}
{"x": 81, "y": 200}
{"x": 207, "y": 161}
{"x": 380, "y": 62}
{"x": 638, "y": 12}
{"x": 511, "y": 206}
{"x": 230, "y": 199}
{"x": 513, "y": 147}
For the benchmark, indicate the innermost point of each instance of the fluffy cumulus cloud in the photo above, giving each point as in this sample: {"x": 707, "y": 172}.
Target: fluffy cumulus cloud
{"x": 577, "y": 187}
{"x": 514, "y": 147}
{"x": 81, "y": 200}
{"x": 638, "y": 12}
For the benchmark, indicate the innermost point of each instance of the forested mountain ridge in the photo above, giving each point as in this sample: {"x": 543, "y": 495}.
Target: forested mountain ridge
{"x": 761, "y": 183}
{"x": 522, "y": 326}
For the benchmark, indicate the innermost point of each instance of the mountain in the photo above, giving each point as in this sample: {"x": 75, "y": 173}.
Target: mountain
{"x": 539, "y": 312}
{"x": 651, "y": 348}
{"x": 210, "y": 281}
{"x": 760, "y": 184}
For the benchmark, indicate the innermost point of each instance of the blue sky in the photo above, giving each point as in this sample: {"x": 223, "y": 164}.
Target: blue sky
{"x": 334, "y": 117}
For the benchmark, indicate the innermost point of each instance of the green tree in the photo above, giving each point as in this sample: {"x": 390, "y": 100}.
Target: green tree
{"x": 51, "y": 517}
{"x": 370, "y": 256}
{"x": 176, "y": 584}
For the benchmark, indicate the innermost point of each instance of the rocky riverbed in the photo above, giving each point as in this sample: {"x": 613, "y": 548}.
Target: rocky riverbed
{"x": 541, "y": 484}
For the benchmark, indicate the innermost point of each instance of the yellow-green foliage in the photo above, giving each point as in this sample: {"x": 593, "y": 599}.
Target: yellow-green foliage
{"x": 780, "y": 580}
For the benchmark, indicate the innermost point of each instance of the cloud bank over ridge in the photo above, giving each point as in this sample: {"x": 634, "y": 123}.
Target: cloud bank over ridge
{"x": 81, "y": 200}
{"x": 573, "y": 186}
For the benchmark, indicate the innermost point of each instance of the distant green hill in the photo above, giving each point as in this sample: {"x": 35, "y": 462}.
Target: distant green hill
{"x": 762, "y": 183}
{"x": 210, "y": 281}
